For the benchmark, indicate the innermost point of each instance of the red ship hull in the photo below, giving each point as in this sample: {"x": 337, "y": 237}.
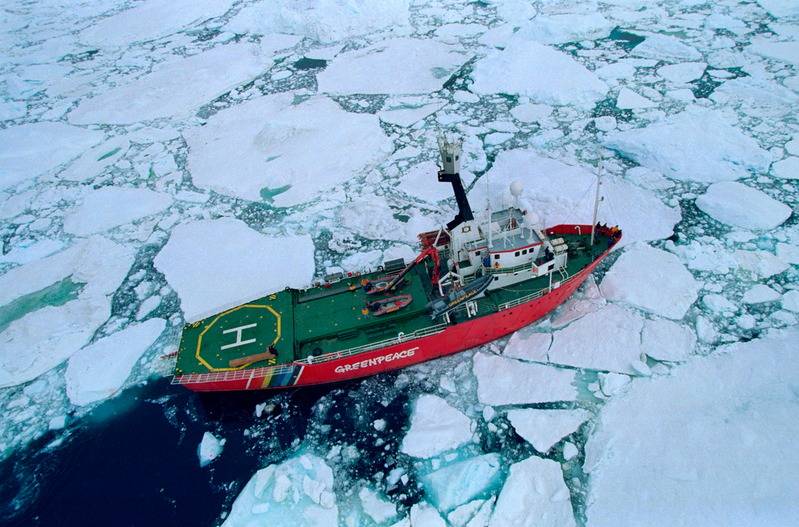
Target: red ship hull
{"x": 449, "y": 340}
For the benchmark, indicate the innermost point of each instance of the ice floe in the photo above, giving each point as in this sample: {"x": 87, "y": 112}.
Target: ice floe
{"x": 150, "y": 20}
{"x": 534, "y": 494}
{"x": 459, "y": 483}
{"x": 271, "y": 149}
{"x": 537, "y": 71}
{"x": 297, "y": 492}
{"x": 425, "y": 66}
{"x": 501, "y": 381}
{"x": 376, "y": 507}
{"x": 436, "y": 427}
{"x": 99, "y": 370}
{"x": 322, "y": 20}
{"x": 109, "y": 207}
{"x": 693, "y": 146}
{"x": 245, "y": 264}
{"x": 607, "y": 340}
{"x": 739, "y": 205}
{"x": 209, "y": 449}
{"x": 203, "y": 77}
{"x": 652, "y": 280}
{"x": 740, "y": 397}
{"x": 29, "y": 150}
{"x": 544, "y": 428}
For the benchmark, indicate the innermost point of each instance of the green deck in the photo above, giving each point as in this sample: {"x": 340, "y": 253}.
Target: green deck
{"x": 323, "y": 320}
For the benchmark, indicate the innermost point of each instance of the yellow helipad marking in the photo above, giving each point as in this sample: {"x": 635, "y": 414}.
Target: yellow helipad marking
{"x": 200, "y": 338}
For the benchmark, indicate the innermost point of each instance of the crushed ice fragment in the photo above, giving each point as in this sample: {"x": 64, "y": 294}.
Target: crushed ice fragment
{"x": 209, "y": 449}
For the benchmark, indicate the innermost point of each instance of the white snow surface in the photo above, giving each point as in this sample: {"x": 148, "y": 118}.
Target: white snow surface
{"x": 29, "y": 150}
{"x": 203, "y": 77}
{"x": 325, "y": 21}
{"x": 533, "y": 495}
{"x": 245, "y": 264}
{"x": 586, "y": 24}
{"x": 607, "y": 340}
{"x": 652, "y": 280}
{"x": 539, "y": 72}
{"x": 99, "y": 370}
{"x": 270, "y": 143}
{"x": 396, "y": 66}
{"x": 651, "y": 450}
{"x": 692, "y": 146}
{"x": 295, "y": 493}
{"x": 436, "y": 427}
{"x": 44, "y": 338}
{"x": 109, "y": 207}
{"x": 742, "y": 206}
{"x": 502, "y": 381}
{"x": 150, "y": 20}
{"x": 544, "y": 428}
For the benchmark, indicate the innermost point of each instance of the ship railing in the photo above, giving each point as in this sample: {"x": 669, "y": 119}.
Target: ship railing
{"x": 231, "y": 375}
{"x": 532, "y": 296}
{"x": 400, "y": 338}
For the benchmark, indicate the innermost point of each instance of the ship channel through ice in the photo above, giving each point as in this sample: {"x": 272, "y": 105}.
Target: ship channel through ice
{"x": 161, "y": 161}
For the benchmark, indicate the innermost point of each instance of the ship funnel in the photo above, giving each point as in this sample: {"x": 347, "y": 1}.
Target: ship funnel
{"x": 450, "y": 173}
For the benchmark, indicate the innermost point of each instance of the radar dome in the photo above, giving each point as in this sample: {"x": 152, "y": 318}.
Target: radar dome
{"x": 516, "y": 189}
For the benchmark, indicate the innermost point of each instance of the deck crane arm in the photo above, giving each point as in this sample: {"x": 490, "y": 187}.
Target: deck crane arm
{"x": 429, "y": 251}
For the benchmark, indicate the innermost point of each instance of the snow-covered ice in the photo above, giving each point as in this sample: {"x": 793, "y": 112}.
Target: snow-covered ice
{"x": 502, "y": 381}
{"x": 459, "y": 483}
{"x": 245, "y": 263}
{"x": 693, "y": 146}
{"x": 544, "y": 428}
{"x": 29, "y": 150}
{"x": 436, "y": 427}
{"x": 606, "y": 340}
{"x": 543, "y": 74}
{"x": 297, "y": 492}
{"x": 652, "y": 280}
{"x": 209, "y": 448}
{"x": 109, "y": 207}
{"x": 203, "y": 77}
{"x": 99, "y": 370}
{"x": 326, "y": 21}
{"x": 48, "y": 334}
{"x": 288, "y": 158}
{"x": 652, "y": 449}
{"x": 425, "y": 66}
{"x": 742, "y": 206}
{"x": 534, "y": 495}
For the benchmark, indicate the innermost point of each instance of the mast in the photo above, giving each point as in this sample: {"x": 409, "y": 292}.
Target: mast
{"x": 451, "y": 160}
{"x": 597, "y": 200}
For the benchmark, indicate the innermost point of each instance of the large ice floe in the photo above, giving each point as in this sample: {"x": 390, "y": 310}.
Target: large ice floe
{"x": 164, "y": 160}
{"x": 288, "y": 159}
{"x": 685, "y": 450}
